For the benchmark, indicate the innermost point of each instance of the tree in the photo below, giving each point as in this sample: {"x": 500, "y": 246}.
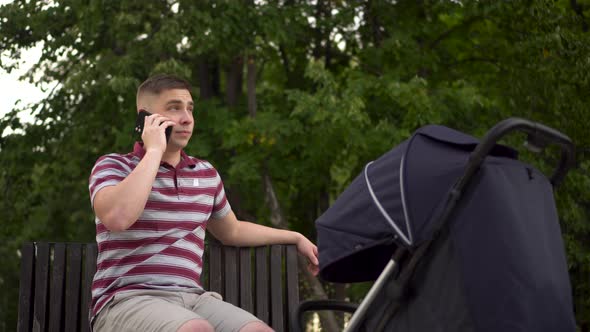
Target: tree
{"x": 295, "y": 97}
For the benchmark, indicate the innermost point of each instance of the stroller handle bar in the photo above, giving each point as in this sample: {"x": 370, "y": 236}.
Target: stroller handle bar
{"x": 538, "y": 137}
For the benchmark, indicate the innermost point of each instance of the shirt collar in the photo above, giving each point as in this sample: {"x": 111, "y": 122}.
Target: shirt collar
{"x": 185, "y": 160}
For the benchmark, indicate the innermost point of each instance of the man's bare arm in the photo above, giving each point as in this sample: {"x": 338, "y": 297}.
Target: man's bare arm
{"x": 231, "y": 231}
{"x": 119, "y": 206}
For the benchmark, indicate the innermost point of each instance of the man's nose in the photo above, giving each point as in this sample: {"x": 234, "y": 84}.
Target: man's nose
{"x": 186, "y": 117}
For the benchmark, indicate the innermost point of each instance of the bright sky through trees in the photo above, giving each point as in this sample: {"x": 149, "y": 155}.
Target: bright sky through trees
{"x": 13, "y": 90}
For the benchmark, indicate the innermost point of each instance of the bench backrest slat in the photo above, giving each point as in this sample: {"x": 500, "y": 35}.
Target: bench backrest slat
{"x": 89, "y": 269}
{"x": 73, "y": 274}
{"x": 276, "y": 295}
{"x": 231, "y": 264}
{"x": 56, "y": 280}
{"x": 41, "y": 287}
{"x": 246, "y": 298}
{"x": 292, "y": 280}
{"x": 26, "y": 290}
{"x": 262, "y": 285}
{"x": 215, "y": 268}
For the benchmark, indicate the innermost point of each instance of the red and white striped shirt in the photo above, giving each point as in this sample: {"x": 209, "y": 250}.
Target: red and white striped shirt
{"x": 163, "y": 249}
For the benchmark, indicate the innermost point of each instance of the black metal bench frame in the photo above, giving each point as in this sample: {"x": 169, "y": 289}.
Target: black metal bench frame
{"x": 56, "y": 278}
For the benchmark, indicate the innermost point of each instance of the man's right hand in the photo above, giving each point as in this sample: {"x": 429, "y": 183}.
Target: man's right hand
{"x": 154, "y": 132}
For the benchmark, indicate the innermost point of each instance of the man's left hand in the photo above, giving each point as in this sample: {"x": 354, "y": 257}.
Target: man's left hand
{"x": 309, "y": 251}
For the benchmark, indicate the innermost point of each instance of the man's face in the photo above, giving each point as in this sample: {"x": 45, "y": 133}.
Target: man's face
{"x": 177, "y": 105}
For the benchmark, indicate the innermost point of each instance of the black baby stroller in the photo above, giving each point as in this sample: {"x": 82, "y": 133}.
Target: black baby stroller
{"x": 458, "y": 234}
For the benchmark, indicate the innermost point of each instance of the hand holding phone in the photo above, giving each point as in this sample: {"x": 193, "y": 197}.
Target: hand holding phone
{"x": 140, "y": 123}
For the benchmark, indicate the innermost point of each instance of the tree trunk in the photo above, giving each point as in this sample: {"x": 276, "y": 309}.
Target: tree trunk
{"x": 277, "y": 218}
{"x": 340, "y": 295}
{"x": 234, "y": 198}
{"x": 285, "y": 61}
{"x": 323, "y": 202}
{"x": 373, "y": 21}
{"x": 205, "y": 87}
{"x": 319, "y": 16}
{"x": 328, "y": 42}
{"x": 251, "y": 86}
{"x": 579, "y": 9}
{"x": 208, "y": 74}
{"x": 215, "y": 79}
{"x": 234, "y": 77}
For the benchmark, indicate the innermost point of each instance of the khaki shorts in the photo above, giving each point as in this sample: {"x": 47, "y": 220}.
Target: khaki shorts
{"x": 156, "y": 310}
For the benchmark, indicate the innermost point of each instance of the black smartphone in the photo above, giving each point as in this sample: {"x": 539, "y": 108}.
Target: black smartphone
{"x": 139, "y": 125}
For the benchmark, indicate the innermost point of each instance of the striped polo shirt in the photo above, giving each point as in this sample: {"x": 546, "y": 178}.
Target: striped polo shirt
{"x": 163, "y": 249}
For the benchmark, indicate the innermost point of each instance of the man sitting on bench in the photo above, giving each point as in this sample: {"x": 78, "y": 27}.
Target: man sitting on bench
{"x": 152, "y": 207}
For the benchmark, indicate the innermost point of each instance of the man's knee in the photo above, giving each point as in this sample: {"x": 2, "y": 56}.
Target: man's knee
{"x": 256, "y": 327}
{"x": 196, "y": 325}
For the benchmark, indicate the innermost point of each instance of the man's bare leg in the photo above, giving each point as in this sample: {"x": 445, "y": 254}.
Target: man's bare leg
{"x": 256, "y": 327}
{"x": 196, "y": 325}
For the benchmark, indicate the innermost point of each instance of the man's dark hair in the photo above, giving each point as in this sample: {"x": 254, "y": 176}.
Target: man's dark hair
{"x": 161, "y": 82}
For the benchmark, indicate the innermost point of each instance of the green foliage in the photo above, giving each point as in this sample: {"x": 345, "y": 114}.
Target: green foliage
{"x": 338, "y": 84}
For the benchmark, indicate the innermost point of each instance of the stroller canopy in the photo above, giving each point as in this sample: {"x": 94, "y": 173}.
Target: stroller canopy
{"x": 391, "y": 203}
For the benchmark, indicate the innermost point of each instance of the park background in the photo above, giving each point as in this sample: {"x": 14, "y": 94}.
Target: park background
{"x": 293, "y": 97}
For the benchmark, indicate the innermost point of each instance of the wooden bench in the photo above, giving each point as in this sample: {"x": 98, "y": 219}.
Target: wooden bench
{"x": 56, "y": 278}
